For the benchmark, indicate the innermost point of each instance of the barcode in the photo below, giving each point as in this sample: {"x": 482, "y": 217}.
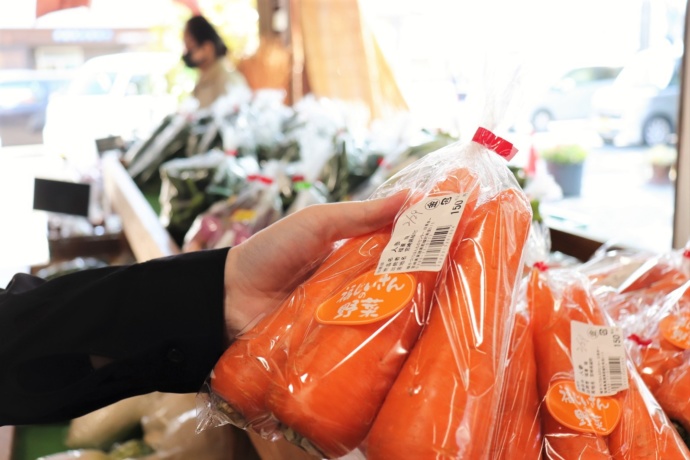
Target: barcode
{"x": 435, "y": 247}
{"x": 615, "y": 372}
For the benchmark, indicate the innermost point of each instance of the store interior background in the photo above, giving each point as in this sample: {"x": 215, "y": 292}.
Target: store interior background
{"x": 438, "y": 52}
{"x": 441, "y": 63}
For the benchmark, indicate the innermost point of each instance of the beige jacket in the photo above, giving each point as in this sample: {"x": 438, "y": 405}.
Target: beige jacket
{"x": 216, "y": 82}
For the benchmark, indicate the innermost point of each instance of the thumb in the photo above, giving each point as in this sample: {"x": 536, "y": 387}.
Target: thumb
{"x": 354, "y": 218}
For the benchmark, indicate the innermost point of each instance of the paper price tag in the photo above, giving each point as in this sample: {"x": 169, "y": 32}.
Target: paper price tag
{"x": 599, "y": 359}
{"x": 422, "y": 235}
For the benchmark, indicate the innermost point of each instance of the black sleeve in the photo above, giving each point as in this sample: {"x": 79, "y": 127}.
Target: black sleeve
{"x": 157, "y": 325}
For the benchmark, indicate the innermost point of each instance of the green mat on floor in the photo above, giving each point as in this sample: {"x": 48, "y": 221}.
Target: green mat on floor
{"x": 37, "y": 441}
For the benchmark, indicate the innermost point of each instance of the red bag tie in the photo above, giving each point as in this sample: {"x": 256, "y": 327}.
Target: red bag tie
{"x": 541, "y": 266}
{"x": 492, "y": 142}
{"x": 639, "y": 340}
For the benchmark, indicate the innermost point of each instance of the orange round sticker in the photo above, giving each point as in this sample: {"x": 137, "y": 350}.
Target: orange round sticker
{"x": 582, "y": 412}
{"x": 676, "y": 329}
{"x": 367, "y": 299}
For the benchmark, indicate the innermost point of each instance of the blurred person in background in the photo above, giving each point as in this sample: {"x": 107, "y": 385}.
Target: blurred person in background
{"x": 206, "y": 51}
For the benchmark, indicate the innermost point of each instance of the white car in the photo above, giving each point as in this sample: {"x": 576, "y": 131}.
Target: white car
{"x": 642, "y": 105}
{"x": 123, "y": 94}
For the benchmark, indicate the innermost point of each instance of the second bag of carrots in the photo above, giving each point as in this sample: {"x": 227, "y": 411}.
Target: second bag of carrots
{"x": 594, "y": 405}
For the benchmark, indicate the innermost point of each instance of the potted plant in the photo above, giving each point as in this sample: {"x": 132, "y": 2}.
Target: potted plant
{"x": 663, "y": 161}
{"x": 565, "y": 163}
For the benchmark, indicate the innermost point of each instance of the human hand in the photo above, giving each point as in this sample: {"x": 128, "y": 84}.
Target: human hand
{"x": 261, "y": 272}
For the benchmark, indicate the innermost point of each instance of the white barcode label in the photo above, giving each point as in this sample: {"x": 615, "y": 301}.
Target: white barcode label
{"x": 422, "y": 235}
{"x": 599, "y": 359}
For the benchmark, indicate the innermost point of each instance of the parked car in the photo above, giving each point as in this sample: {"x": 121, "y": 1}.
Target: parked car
{"x": 571, "y": 96}
{"x": 123, "y": 94}
{"x": 24, "y": 96}
{"x": 641, "y": 107}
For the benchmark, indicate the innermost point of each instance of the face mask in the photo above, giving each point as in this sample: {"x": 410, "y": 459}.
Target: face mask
{"x": 187, "y": 59}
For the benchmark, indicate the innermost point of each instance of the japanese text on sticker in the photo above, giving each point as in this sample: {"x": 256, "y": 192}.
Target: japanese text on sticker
{"x": 599, "y": 359}
{"x": 422, "y": 235}
{"x": 362, "y": 298}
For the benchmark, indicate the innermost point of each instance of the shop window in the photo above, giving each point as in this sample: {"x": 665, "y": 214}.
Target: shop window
{"x": 618, "y": 73}
{"x": 94, "y": 84}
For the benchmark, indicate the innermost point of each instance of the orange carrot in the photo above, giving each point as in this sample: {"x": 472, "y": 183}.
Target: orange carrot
{"x": 338, "y": 380}
{"x": 663, "y": 367}
{"x": 659, "y": 275}
{"x": 242, "y": 375}
{"x": 552, "y": 336}
{"x": 673, "y": 395}
{"x": 644, "y": 432}
{"x": 518, "y": 434}
{"x": 335, "y": 384}
{"x": 444, "y": 401}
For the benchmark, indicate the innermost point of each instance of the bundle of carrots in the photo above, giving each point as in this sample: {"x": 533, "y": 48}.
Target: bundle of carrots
{"x": 651, "y": 297}
{"x": 628, "y": 425}
{"x": 327, "y": 385}
{"x": 658, "y": 347}
{"x": 320, "y": 384}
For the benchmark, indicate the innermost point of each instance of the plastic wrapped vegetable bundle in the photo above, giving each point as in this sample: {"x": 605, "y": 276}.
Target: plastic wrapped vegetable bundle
{"x": 651, "y": 306}
{"x": 191, "y": 185}
{"x": 294, "y": 370}
{"x": 230, "y": 222}
{"x": 444, "y": 402}
{"x": 656, "y": 328}
{"x": 297, "y": 365}
{"x": 595, "y": 403}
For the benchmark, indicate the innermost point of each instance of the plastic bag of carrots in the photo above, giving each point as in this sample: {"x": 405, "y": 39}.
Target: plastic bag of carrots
{"x": 653, "y": 309}
{"x": 339, "y": 363}
{"x": 594, "y": 405}
{"x": 627, "y": 270}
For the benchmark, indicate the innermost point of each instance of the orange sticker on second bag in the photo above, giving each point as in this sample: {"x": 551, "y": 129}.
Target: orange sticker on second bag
{"x": 581, "y": 412}
{"x": 367, "y": 299}
{"x": 676, "y": 329}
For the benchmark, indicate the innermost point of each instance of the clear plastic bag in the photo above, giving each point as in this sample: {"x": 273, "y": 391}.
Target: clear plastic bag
{"x": 291, "y": 374}
{"x": 652, "y": 305}
{"x": 82, "y": 454}
{"x": 656, "y": 328}
{"x": 191, "y": 185}
{"x": 169, "y": 427}
{"x": 631, "y": 270}
{"x": 371, "y": 362}
{"x": 585, "y": 416}
{"x": 230, "y": 222}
